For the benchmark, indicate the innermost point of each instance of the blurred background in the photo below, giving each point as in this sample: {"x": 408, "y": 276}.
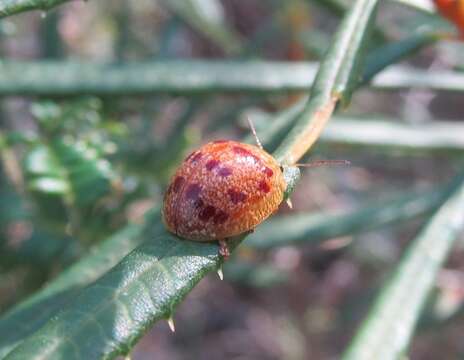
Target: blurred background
{"x": 77, "y": 168}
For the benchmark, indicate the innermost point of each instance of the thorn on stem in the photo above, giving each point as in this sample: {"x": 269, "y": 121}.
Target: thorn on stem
{"x": 220, "y": 273}
{"x": 289, "y": 203}
{"x": 171, "y": 324}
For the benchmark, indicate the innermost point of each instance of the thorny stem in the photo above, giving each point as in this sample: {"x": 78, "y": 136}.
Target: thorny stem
{"x": 335, "y": 80}
{"x": 11, "y": 7}
{"x": 310, "y": 134}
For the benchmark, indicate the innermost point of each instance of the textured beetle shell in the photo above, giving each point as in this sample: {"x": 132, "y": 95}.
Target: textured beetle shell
{"x": 223, "y": 189}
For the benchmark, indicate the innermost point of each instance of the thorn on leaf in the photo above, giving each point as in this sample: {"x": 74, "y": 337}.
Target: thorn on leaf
{"x": 220, "y": 273}
{"x": 171, "y": 324}
{"x": 289, "y": 203}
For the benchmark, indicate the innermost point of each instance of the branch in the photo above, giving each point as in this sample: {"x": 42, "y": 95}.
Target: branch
{"x": 174, "y": 76}
{"x": 196, "y": 77}
{"x": 12, "y": 7}
{"x": 335, "y": 80}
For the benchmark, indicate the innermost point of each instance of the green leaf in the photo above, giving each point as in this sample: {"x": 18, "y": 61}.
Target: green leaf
{"x": 379, "y": 134}
{"x": 174, "y": 77}
{"x": 335, "y": 80}
{"x": 385, "y": 55}
{"x": 389, "y": 326}
{"x": 389, "y": 135}
{"x": 419, "y": 5}
{"x": 66, "y": 161}
{"x": 106, "y": 318}
{"x": 73, "y": 170}
{"x": 11, "y": 7}
{"x": 314, "y": 228}
{"x": 188, "y": 77}
{"x": 50, "y": 185}
{"x": 31, "y": 314}
{"x": 40, "y": 162}
{"x": 407, "y": 77}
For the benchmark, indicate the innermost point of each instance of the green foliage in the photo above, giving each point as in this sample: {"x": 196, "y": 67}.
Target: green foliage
{"x": 313, "y": 228}
{"x": 30, "y": 315}
{"x": 335, "y": 80}
{"x": 388, "y": 328}
{"x": 11, "y": 7}
{"x": 388, "y": 135}
{"x": 147, "y": 284}
{"x": 376, "y": 61}
{"x": 65, "y": 167}
{"x": 22, "y": 243}
{"x": 117, "y": 309}
{"x": 197, "y": 77}
{"x": 160, "y": 77}
{"x": 69, "y": 169}
{"x": 75, "y": 180}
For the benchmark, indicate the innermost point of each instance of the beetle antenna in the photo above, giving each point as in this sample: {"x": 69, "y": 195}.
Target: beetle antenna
{"x": 253, "y": 130}
{"x": 317, "y": 163}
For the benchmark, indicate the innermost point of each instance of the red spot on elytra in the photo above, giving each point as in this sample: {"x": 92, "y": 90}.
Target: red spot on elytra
{"x": 211, "y": 164}
{"x": 220, "y": 217}
{"x": 268, "y": 171}
{"x": 178, "y": 182}
{"x": 207, "y": 213}
{"x": 199, "y": 204}
{"x": 242, "y": 151}
{"x": 196, "y": 157}
{"x": 236, "y": 196}
{"x": 193, "y": 191}
{"x": 224, "y": 171}
{"x": 264, "y": 186}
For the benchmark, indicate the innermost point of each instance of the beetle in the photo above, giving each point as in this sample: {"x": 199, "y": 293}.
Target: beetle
{"x": 226, "y": 188}
{"x": 223, "y": 189}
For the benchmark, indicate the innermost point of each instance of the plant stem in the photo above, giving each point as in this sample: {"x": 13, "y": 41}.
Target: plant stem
{"x": 11, "y": 7}
{"x": 335, "y": 80}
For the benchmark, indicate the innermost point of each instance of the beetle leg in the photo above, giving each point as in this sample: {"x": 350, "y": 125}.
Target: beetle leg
{"x": 224, "y": 249}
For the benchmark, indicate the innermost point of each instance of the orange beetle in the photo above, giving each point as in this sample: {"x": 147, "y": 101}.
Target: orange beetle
{"x": 453, "y": 10}
{"x": 223, "y": 189}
